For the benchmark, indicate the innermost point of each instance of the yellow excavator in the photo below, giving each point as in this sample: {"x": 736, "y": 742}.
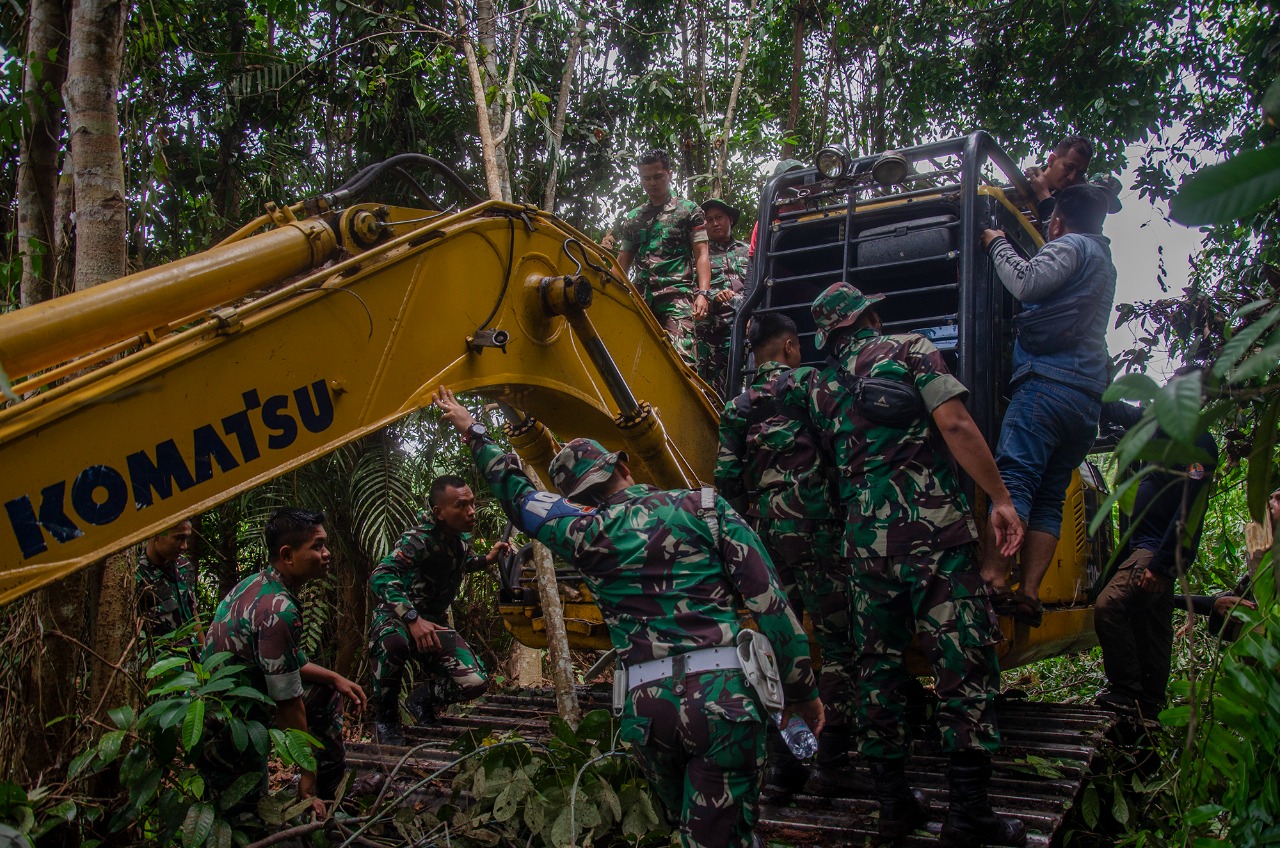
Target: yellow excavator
{"x": 159, "y": 395}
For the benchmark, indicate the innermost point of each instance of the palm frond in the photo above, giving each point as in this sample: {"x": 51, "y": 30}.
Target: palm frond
{"x": 382, "y": 499}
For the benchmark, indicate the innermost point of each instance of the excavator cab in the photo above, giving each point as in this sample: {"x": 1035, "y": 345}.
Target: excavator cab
{"x": 906, "y": 225}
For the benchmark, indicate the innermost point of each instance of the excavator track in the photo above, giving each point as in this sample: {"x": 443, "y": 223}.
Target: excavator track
{"x": 1039, "y": 773}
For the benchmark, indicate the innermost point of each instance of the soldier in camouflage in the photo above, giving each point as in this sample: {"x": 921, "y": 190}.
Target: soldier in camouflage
{"x": 167, "y": 586}
{"x": 728, "y": 279}
{"x": 772, "y": 469}
{"x": 260, "y": 623}
{"x": 665, "y": 241}
{"x": 667, "y": 572}
{"x": 909, "y": 544}
{"x": 414, "y": 585}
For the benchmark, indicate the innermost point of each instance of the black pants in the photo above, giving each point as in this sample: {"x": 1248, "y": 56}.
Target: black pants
{"x": 1135, "y": 629}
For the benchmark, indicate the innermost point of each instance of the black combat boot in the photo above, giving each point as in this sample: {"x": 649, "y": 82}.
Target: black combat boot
{"x": 387, "y": 720}
{"x": 833, "y": 775}
{"x": 784, "y": 775}
{"x": 902, "y": 809}
{"x": 422, "y": 706}
{"x": 970, "y": 821}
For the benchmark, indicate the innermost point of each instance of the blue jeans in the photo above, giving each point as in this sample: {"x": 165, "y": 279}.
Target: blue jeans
{"x": 1046, "y": 434}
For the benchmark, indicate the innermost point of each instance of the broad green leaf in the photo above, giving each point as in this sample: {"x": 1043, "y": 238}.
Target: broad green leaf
{"x": 197, "y": 825}
{"x": 80, "y": 762}
{"x": 251, "y": 694}
{"x": 145, "y": 789}
{"x": 221, "y": 835}
{"x": 535, "y": 814}
{"x": 1259, "y": 481}
{"x": 1120, "y": 806}
{"x": 1242, "y": 341}
{"x": 243, "y": 785}
{"x": 1176, "y": 716}
{"x": 109, "y": 745}
{"x": 166, "y": 665}
{"x": 122, "y": 717}
{"x": 1135, "y": 386}
{"x": 239, "y": 734}
{"x": 1177, "y": 407}
{"x": 1222, "y": 193}
{"x": 259, "y": 737}
{"x": 1089, "y": 806}
{"x": 1259, "y": 364}
{"x": 508, "y": 801}
{"x": 193, "y": 725}
{"x": 1271, "y": 103}
{"x": 301, "y": 747}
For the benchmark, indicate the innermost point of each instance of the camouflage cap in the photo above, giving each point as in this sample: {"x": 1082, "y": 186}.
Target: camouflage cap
{"x": 839, "y": 306}
{"x": 581, "y": 464}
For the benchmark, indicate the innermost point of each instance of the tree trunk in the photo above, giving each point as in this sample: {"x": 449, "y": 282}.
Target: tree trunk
{"x": 562, "y": 108}
{"x": 227, "y": 186}
{"x": 488, "y": 151}
{"x": 38, "y": 149}
{"x": 64, "y": 242}
{"x": 722, "y": 146}
{"x": 553, "y": 616}
{"x": 113, "y": 627}
{"x": 93, "y": 76}
{"x": 797, "y": 80}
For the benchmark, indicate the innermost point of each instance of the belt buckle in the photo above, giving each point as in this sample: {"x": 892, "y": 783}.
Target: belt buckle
{"x": 679, "y": 664}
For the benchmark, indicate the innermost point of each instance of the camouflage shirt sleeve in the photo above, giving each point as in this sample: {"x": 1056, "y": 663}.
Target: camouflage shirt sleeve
{"x": 731, "y": 462}
{"x": 930, "y": 375}
{"x": 278, "y": 649}
{"x": 752, "y": 574}
{"x": 628, "y": 237}
{"x": 393, "y": 576}
{"x": 697, "y": 224}
{"x": 544, "y": 515}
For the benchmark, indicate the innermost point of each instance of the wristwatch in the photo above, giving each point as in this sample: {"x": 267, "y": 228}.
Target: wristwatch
{"x": 411, "y": 616}
{"x": 701, "y": 293}
{"x": 477, "y": 431}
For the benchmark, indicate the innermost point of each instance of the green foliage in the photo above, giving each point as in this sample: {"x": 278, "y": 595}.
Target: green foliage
{"x": 1222, "y": 193}
{"x": 154, "y": 754}
{"x": 580, "y": 789}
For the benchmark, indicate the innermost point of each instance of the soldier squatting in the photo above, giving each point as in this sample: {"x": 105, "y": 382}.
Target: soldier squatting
{"x": 824, "y": 505}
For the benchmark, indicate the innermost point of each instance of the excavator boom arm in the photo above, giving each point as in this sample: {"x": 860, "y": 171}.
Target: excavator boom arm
{"x": 293, "y": 354}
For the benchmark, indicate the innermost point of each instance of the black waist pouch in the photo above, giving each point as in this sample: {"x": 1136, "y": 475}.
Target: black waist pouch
{"x": 880, "y": 400}
{"x": 1057, "y": 326}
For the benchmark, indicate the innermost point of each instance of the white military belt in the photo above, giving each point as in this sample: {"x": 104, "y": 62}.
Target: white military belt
{"x": 691, "y": 662}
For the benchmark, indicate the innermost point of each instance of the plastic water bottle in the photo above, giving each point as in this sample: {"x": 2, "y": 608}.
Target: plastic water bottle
{"x": 798, "y": 736}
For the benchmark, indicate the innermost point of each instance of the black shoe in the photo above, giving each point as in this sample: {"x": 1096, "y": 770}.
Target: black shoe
{"x": 970, "y": 822}
{"x": 902, "y": 809}
{"x": 784, "y": 775}
{"x": 833, "y": 775}
{"x": 389, "y": 732}
{"x": 421, "y": 705}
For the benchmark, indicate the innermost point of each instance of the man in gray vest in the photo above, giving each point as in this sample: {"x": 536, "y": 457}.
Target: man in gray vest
{"x": 1060, "y": 371}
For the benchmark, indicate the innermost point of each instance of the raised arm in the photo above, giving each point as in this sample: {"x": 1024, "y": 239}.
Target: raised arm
{"x": 1031, "y": 280}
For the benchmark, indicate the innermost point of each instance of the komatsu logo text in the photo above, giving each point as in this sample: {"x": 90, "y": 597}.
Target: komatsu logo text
{"x": 101, "y": 493}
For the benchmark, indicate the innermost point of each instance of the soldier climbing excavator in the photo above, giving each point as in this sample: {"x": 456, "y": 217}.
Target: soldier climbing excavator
{"x": 164, "y": 393}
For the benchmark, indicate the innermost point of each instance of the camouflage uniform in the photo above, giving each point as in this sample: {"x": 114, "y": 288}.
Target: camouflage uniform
{"x": 666, "y": 586}
{"x": 728, "y": 273}
{"x": 769, "y": 454}
{"x": 422, "y": 572}
{"x": 909, "y": 544}
{"x": 260, "y": 623}
{"x": 661, "y": 241}
{"x": 166, "y": 595}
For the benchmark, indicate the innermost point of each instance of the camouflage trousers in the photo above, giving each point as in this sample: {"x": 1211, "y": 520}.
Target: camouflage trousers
{"x": 454, "y": 674}
{"x": 701, "y": 746}
{"x": 804, "y": 555}
{"x": 674, "y": 311}
{"x": 939, "y": 597}
{"x": 711, "y": 346}
{"x": 221, "y": 763}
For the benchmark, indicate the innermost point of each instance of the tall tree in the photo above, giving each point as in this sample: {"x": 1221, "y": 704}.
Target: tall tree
{"x": 93, "y": 78}
{"x": 46, "y": 69}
